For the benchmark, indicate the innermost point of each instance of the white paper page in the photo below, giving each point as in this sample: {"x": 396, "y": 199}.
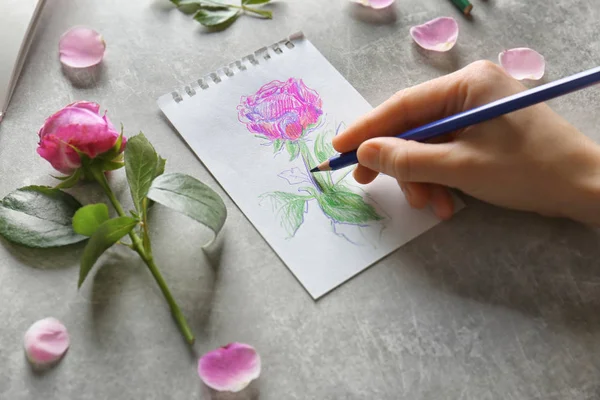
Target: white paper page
{"x": 326, "y": 249}
{"x": 17, "y": 20}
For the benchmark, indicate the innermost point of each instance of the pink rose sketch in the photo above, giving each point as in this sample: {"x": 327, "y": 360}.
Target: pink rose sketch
{"x": 284, "y": 114}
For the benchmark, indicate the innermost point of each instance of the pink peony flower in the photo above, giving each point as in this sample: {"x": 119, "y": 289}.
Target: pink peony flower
{"x": 77, "y": 126}
{"x": 281, "y": 110}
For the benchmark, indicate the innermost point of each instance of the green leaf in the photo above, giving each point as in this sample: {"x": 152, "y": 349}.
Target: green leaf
{"x": 107, "y": 234}
{"x": 290, "y": 209}
{"x": 70, "y": 181}
{"x": 110, "y": 165}
{"x": 277, "y": 145}
{"x": 251, "y": 2}
{"x": 39, "y": 216}
{"x": 190, "y": 197}
{"x": 160, "y": 167}
{"x": 216, "y": 17}
{"x": 323, "y": 148}
{"x": 61, "y": 178}
{"x": 188, "y": 6}
{"x": 293, "y": 149}
{"x": 88, "y": 218}
{"x": 141, "y": 164}
{"x": 263, "y": 13}
{"x": 342, "y": 205}
{"x": 114, "y": 152}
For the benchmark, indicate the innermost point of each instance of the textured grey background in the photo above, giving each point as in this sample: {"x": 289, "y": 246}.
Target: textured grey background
{"x": 493, "y": 304}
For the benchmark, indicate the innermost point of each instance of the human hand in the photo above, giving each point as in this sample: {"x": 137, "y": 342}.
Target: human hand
{"x": 529, "y": 160}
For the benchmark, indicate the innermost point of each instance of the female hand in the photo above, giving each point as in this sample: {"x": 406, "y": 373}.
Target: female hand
{"x": 531, "y": 159}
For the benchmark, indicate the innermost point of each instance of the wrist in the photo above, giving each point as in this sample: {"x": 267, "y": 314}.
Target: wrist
{"x": 585, "y": 206}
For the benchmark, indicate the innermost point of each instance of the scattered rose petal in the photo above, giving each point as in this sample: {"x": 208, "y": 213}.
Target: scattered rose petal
{"x": 523, "y": 63}
{"x": 376, "y": 4}
{"x": 229, "y": 368}
{"x": 81, "y": 47}
{"x": 439, "y": 34}
{"x": 46, "y": 341}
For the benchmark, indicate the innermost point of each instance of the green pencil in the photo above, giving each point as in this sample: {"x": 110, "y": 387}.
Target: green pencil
{"x": 464, "y": 6}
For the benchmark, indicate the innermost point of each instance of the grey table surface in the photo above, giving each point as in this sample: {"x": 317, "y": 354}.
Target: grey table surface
{"x": 492, "y": 304}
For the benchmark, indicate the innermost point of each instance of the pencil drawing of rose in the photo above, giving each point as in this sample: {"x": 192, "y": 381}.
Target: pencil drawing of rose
{"x": 286, "y": 114}
{"x": 281, "y": 110}
{"x": 76, "y": 128}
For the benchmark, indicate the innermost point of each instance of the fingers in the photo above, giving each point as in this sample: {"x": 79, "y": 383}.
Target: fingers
{"x": 405, "y": 110}
{"x": 420, "y": 195}
{"x": 364, "y": 175}
{"x": 442, "y": 202}
{"x": 417, "y": 194}
{"x": 410, "y": 161}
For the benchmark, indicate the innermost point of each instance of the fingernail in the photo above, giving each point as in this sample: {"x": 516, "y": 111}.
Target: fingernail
{"x": 369, "y": 156}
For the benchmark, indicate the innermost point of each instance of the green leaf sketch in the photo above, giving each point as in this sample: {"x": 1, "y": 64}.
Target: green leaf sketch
{"x": 293, "y": 149}
{"x": 290, "y": 208}
{"x": 278, "y": 145}
{"x": 323, "y": 148}
{"x": 342, "y": 205}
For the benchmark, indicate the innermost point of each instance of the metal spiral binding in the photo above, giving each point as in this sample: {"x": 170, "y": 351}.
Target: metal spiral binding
{"x": 259, "y": 56}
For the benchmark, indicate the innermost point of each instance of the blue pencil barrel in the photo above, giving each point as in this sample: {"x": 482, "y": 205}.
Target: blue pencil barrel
{"x": 488, "y": 111}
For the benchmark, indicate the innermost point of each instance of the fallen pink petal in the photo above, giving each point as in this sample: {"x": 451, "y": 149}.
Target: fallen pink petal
{"x": 46, "y": 341}
{"x": 81, "y": 47}
{"x": 439, "y": 34}
{"x": 375, "y": 4}
{"x": 229, "y": 368}
{"x": 523, "y": 63}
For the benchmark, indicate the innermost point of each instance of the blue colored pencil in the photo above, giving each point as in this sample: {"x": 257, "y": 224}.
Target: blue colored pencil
{"x": 480, "y": 114}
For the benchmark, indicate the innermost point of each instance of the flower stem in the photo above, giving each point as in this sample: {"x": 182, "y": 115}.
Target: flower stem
{"x": 175, "y": 310}
{"x": 309, "y": 163}
{"x": 146, "y": 255}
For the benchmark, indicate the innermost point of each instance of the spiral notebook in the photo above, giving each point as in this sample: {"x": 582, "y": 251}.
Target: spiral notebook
{"x": 259, "y": 124}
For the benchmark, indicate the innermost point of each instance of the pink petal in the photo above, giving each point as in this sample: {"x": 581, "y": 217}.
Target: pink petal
{"x": 523, "y": 63}
{"x": 376, "y": 4}
{"x": 73, "y": 114}
{"x": 46, "y": 341}
{"x": 88, "y": 105}
{"x": 230, "y": 368}
{"x": 81, "y": 47}
{"x": 439, "y": 34}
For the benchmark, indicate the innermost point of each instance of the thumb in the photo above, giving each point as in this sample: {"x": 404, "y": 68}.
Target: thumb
{"x": 410, "y": 161}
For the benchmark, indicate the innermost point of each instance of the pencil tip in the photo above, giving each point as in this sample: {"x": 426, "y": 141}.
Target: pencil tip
{"x": 315, "y": 169}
